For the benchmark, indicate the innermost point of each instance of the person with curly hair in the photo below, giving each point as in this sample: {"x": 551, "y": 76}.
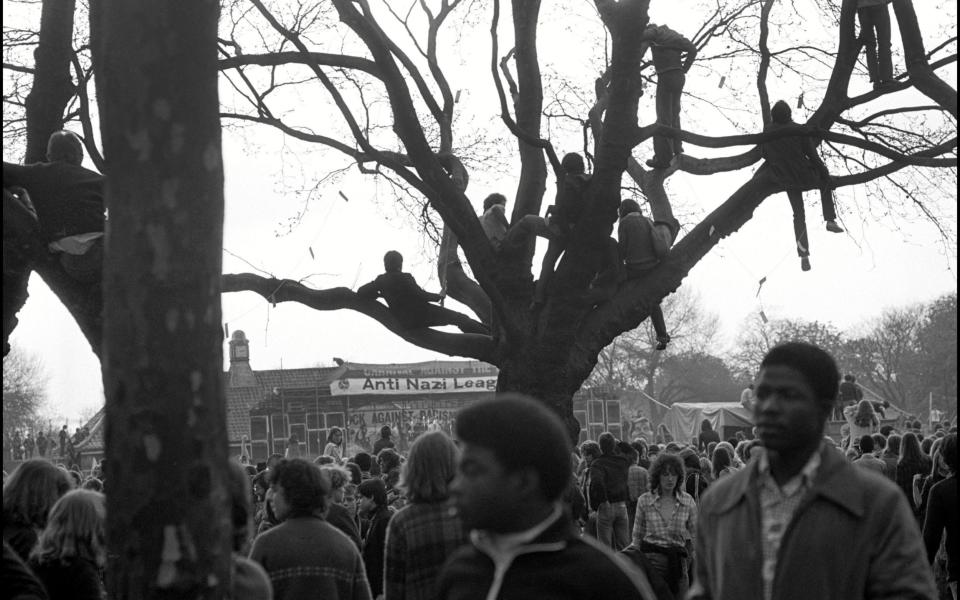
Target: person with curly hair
{"x": 28, "y": 495}
{"x": 665, "y": 525}
{"x": 72, "y": 550}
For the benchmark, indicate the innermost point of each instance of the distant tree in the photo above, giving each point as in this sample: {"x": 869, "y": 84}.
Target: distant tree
{"x": 938, "y": 346}
{"x": 759, "y": 334}
{"x": 24, "y": 390}
{"x": 696, "y": 377}
{"x": 630, "y": 361}
{"x": 908, "y": 353}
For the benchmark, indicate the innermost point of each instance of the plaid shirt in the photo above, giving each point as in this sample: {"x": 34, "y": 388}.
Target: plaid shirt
{"x": 653, "y": 527}
{"x": 420, "y": 538}
{"x": 777, "y": 507}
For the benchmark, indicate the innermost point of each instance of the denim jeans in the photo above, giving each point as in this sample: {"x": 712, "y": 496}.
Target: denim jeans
{"x": 613, "y": 528}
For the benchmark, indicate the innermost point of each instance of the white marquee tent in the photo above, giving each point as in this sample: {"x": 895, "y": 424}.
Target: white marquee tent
{"x": 684, "y": 418}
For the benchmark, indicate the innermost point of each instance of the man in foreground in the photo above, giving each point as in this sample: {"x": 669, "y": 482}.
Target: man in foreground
{"x": 514, "y": 467}
{"x": 802, "y": 522}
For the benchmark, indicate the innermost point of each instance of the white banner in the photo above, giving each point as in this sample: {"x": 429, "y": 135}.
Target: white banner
{"x": 369, "y": 386}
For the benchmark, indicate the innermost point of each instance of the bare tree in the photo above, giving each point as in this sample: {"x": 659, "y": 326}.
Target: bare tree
{"x": 24, "y": 389}
{"x": 397, "y": 118}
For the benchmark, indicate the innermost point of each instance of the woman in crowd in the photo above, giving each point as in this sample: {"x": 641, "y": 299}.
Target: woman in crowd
{"x": 722, "y": 463}
{"x": 28, "y": 495}
{"x": 707, "y": 435}
{"x": 389, "y": 462}
{"x": 922, "y": 482}
{"x": 912, "y": 462}
{"x": 422, "y": 535}
{"x": 72, "y": 551}
{"x": 665, "y": 525}
{"x": 733, "y": 455}
{"x": 334, "y": 448}
{"x": 293, "y": 447}
{"x": 863, "y": 420}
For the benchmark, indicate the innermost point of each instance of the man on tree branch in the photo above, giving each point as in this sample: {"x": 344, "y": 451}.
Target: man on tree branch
{"x": 410, "y": 303}
{"x": 794, "y": 163}
{"x": 673, "y": 55}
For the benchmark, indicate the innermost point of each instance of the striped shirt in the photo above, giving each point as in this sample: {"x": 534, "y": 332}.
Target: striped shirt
{"x": 777, "y": 507}
{"x": 420, "y": 538}
{"x": 665, "y": 529}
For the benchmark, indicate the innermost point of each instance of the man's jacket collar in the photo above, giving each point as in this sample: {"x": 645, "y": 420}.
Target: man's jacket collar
{"x": 832, "y": 483}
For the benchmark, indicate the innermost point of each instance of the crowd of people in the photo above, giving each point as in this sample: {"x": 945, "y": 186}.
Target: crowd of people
{"x": 44, "y": 445}
{"x": 512, "y": 510}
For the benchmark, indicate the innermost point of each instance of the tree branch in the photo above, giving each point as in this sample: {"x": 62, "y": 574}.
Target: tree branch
{"x": 479, "y": 347}
{"x": 276, "y": 59}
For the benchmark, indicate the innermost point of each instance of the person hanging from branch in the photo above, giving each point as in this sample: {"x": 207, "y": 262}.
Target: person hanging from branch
{"x": 642, "y": 246}
{"x": 673, "y": 55}
{"x": 69, "y": 204}
{"x": 410, "y": 303}
{"x": 795, "y": 165}
{"x": 562, "y": 217}
{"x": 874, "y": 20}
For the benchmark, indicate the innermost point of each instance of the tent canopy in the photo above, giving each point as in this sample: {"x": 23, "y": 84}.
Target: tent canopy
{"x": 684, "y": 418}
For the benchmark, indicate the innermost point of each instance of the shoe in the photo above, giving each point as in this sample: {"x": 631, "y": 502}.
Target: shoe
{"x": 653, "y": 163}
{"x": 662, "y": 342}
{"x": 805, "y": 263}
{"x": 832, "y": 226}
{"x": 883, "y": 85}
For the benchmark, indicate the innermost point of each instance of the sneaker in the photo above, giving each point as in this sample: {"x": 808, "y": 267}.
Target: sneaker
{"x": 662, "y": 342}
{"x": 805, "y": 263}
{"x": 832, "y": 226}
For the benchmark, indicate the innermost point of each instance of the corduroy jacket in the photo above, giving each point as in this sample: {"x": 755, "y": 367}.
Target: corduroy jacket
{"x": 853, "y": 536}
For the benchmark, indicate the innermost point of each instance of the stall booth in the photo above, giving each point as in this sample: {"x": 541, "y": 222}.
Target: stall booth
{"x": 727, "y": 418}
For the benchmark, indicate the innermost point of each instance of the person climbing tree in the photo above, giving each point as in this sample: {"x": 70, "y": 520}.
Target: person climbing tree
{"x": 642, "y": 246}
{"x": 511, "y": 238}
{"x": 794, "y": 164}
{"x": 562, "y": 217}
{"x": 874, "y": 20}
{"x": 673, "y": 55}
{"x": 68, "y": 199}
{"x": 410, "y": 303}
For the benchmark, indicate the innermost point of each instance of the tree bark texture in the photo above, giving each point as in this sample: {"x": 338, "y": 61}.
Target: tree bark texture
{"x": 169, "y": 531}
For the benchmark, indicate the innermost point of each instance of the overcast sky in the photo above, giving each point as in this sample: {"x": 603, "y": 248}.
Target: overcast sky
{"x": 878, "y": 263}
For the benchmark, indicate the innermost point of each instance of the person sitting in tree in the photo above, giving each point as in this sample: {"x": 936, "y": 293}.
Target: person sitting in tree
{"x": 673, "y": 56}
{"x": 511, "y": 238}
{"x": 69, "y": 203}
{"x": 642, "y": 246}
{"x": 794, "y": 163}
{"x": 410, "y": 303}
{"x": 875, "y": 35}
{"x": 562, "y": 217}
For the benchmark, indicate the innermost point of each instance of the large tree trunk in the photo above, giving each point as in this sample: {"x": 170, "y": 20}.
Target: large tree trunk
{"x": 169, "y": 525}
